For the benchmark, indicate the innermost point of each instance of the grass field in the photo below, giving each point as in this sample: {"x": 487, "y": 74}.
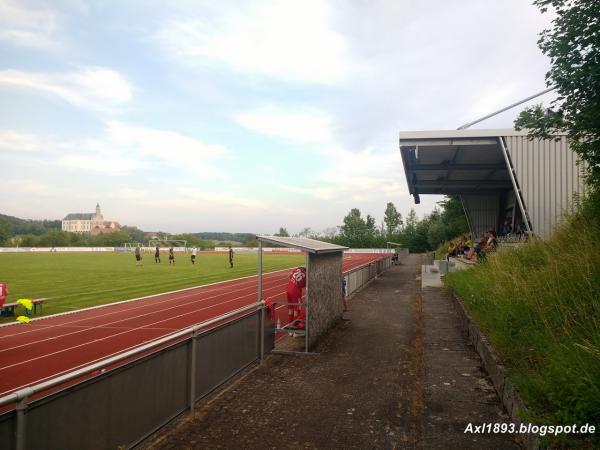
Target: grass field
{"x": 77, "y": 280}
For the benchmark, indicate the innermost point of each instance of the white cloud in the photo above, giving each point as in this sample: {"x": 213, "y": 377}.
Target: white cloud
{"x": 285, "y": 40}
{"x": 95, "y": 88}
{"x": 122, "y": 150}
{"x": 25, "y": 27}
{"x": 168, "y": 146}
{"x": 301, "y": 125}
{"x": 106, "y": 163}
{"x": 11, "y": 140}
{"x": 196, "y": 197}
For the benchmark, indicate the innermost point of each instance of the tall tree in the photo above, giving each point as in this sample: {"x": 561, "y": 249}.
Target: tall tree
{"x": 392, "y": 219}
{"x": 411, "y": 219}
{"x": 282, "y": 232}
{"x": 306, "y": 232}
{"x": 354, "y": 231}
{"x": 573, "y": 45}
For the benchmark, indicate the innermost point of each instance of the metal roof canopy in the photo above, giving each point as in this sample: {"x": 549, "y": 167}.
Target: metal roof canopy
{"x": 306, "y": 244}
{"x": 455, "y": 162}
{"x": 461, "y": 162}
{"x": 310, "y": 247}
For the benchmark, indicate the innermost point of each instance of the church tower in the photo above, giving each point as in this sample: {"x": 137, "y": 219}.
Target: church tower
{"x": 98, "y": 219}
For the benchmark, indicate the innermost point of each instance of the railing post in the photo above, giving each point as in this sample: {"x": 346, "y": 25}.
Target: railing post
{"x": 21, "y": 424}
{"x": 261, "y": 333}
{"x": 192, "y": 373}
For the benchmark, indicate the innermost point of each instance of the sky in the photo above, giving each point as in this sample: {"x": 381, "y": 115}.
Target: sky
{"x": 245, "y": 116}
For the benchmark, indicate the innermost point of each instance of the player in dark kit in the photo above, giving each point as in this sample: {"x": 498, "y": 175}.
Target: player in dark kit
{"x": 157, "y": 255}
{"x": 230, "y": 258}
{"x": 138, "y": 256}
{"x": 171, "y": 256}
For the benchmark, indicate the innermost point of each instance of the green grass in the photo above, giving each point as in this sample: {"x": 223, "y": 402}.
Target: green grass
{"x": 539, "y": 305}
{"x": 78, "y": 280}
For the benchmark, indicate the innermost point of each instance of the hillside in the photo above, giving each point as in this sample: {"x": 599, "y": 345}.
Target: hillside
{"x": 15, "y": 225}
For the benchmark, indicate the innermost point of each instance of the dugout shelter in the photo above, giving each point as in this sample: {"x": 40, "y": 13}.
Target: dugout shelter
{"x": 323, "y": 298}
{"x": 499, "y": 175}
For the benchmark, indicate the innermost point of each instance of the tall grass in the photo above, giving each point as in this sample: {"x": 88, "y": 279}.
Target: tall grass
{"x": 540, "y": 308}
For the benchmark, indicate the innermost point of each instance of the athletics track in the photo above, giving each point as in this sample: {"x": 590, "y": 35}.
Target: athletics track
{"x": 55, "y": 345}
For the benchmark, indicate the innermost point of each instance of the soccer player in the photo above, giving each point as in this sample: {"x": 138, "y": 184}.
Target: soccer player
{"x": 157, "y": 255}
{"x": 138, "y": 256}
{"x": 171, "y": 256}
{"x": 296, "y": 283}
{"x": 230, "y": 257}
{"x": 193, "y": 257}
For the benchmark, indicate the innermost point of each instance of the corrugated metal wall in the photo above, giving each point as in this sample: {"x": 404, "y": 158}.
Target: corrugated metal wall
{"x": 548, "y": 175}
{"x": 483, "y": 212}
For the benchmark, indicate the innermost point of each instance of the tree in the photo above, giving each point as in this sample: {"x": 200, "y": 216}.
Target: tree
{"x": 354, "y": 230}
{"x": 282, "y": 232}
{"x": 306, "y": 232}
{"x": 573, "y": 45}
{"x": 4, "y": 233}
{"x": 392, "y": 219}
{"x": 370, "y": 223}
{"x": 411, "y": 219}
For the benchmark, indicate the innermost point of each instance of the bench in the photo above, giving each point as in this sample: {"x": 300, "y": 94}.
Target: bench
{"x": 8, "y": 309}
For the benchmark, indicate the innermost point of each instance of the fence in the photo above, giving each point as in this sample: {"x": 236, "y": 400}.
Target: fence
{"x": 122, "y": 406}
{"x": 358, "y": 277}
{"x": 55, "y": 249}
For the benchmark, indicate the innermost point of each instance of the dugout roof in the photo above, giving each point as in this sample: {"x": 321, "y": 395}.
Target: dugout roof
{"x": 308, "y": 245}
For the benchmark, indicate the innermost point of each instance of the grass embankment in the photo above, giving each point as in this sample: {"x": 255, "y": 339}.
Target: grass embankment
{"x": 539, "y": 305}
{"x": 78, "y": 280}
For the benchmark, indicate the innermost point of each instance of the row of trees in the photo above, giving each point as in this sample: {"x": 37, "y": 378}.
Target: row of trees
{"x": 418, "y": 235}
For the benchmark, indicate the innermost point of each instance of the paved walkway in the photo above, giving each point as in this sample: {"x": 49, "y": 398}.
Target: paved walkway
{"x": 397, "y": 375}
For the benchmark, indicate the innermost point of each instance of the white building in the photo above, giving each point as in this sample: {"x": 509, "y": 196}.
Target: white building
{"x": 83, "y": 222}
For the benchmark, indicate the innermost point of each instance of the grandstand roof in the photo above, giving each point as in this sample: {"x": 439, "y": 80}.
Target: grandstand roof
{"x": 455, "y": 161}
{"x": 308, "y": 245}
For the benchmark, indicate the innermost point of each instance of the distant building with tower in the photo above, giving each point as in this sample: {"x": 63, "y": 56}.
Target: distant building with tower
{"x": 89, "y": 223}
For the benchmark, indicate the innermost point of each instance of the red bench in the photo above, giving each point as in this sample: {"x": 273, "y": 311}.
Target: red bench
{"x": 8, "y": 309}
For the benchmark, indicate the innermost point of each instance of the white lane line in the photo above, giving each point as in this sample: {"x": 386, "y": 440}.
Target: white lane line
{"x": 114, "y": 335}
{"x": 143, "y": 306}
{"x": 153, "y": 296}
{"x": 151, "y": 313}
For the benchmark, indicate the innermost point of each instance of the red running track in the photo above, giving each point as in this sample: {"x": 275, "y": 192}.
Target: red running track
{"x": 58, "y": 344}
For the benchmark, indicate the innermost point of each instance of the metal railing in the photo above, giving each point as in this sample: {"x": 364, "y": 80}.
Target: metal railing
{"x": 160, "y": 380}
{"x": 357, "y": 277}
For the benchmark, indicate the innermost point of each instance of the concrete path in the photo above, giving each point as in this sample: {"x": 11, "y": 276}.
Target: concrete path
{"x": 397, "y": 375}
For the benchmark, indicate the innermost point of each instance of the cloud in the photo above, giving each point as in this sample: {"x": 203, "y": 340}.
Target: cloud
{"x": 11, "y": 140}
{"x": 170, "y": 147}
{"x": 122, "y": 149}
{"x": 107, "y": 163}
{"x": 26, "y": 27}
{"x": 95, "y": 88}
{"x": 299, "y": 125}
{"x": 290, "y": 41}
